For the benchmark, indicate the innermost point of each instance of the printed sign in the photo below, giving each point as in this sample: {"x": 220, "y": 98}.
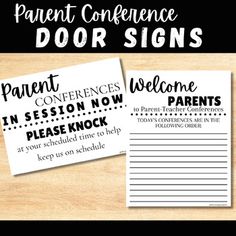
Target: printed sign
{"x": 179, "y": 151}
{"x": 63, "y": 116}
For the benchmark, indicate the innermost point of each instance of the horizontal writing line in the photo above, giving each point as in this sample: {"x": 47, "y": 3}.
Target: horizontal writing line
{"x": 178, "y": 144}
{"x": 180, "y": 173}
{"x": 178, "y": 161}
{"x": 179, "y": 133}
{"x": 179, "y": 167}
{"x": 177, "y": 195}
{"x": 164, "y": 150}
{"x": 178, "y": 201}
{"x": 179, "y": 156}
{"x": 178, "y": 139}
{"x": 204, "y": 190}
{"x": 178, "y": 178}
{"x": 182, "y": 184}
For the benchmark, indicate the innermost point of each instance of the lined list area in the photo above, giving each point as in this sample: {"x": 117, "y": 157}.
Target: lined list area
{"x": 179, "y": 169}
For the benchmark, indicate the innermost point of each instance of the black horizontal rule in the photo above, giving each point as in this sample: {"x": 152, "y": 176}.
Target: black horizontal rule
{"x": 216, "y": 21}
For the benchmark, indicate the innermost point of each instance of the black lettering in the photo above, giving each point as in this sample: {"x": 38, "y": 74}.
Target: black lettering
{"x": 160, "y": 87}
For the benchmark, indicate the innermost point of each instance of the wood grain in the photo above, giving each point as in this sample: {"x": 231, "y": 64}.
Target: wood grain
{"x": 95, "y": 189}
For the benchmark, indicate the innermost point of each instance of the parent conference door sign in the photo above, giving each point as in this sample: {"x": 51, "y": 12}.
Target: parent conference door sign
{"x": 179, "y": 151}
{"x": 63, "y": 116}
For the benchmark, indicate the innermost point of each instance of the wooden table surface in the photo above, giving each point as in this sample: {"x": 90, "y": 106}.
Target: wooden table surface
{"x": 95, "y": 189}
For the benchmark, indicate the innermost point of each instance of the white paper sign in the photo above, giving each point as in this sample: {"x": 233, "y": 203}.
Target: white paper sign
{"x": 179, "y": 151}
{"x": 63, "y": 116}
